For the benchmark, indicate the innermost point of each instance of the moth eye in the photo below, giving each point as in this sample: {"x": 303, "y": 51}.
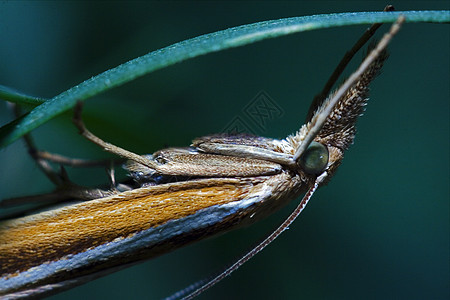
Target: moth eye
{"x": 315, "y": 158}
{"x": 161, "y": 160}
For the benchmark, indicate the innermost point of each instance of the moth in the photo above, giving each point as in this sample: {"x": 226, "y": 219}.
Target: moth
{"x": 181, "y": 195}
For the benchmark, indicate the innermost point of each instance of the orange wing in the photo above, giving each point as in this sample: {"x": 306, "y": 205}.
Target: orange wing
{"x": 95, "y": 236}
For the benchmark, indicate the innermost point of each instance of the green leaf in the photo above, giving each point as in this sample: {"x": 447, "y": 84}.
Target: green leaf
{"x": 208, "y": 43}
{"x": 14, "y": 96}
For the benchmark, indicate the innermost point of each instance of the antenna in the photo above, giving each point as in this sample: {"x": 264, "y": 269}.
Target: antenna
{"x": 317, "y": 123}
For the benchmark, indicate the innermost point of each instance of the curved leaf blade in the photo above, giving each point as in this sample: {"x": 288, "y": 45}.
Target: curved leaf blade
{"x": 208, "y": 43}
{"x": 14, "y": 96}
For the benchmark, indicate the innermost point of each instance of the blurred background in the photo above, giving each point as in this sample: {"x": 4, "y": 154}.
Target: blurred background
{"x": 379, "y": 230}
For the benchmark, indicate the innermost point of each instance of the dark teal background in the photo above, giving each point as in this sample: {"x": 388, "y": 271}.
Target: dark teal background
{"x": 379, "y": 230}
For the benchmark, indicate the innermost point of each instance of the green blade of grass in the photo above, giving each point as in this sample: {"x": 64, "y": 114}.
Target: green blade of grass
{"x": 14, "y": 96}
{"x": 208, "y": 43}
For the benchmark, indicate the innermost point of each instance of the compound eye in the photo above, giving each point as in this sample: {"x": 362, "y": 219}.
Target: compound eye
{"x": 315, "y": 158}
